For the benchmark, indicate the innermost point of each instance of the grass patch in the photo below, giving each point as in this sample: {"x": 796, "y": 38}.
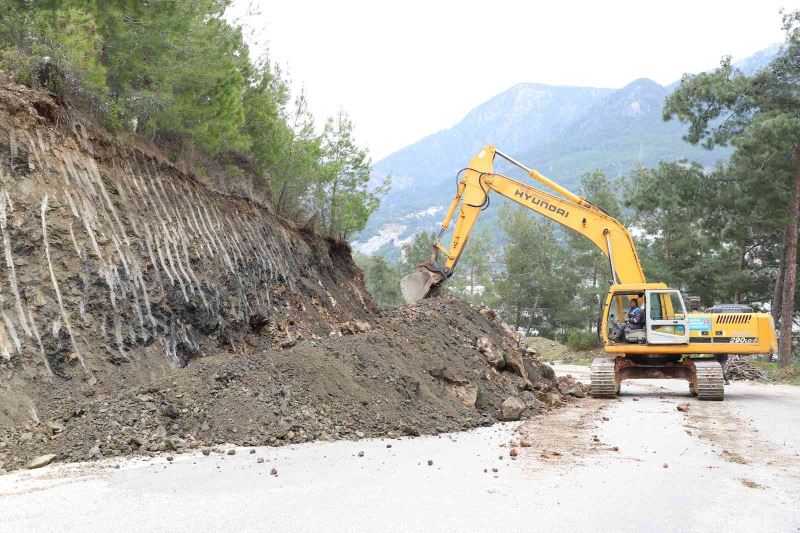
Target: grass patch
{"x": 790, "y": 374}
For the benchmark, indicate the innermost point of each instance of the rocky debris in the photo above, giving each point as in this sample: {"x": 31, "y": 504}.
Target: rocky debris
{"x": 512, "y": 408}
{"x": 42, "y": 460}
{"x": 353, "y": 327}
{"x": 513, "y": 452}
{"x": 751, "y": 484}
{"x": 414, "y": 372}
{"x": 273, "y": 472}
{"x": 494, "y": 358}
{"x": 569, "y": 387}
{"x": 430, "y": 462}
{"x": 682, "y": 407}
{"x": 361, "y": 454}
{"x": 487, "y": 313}
{"x": 515, "y": 363}
{"x": 260, "y": 460}
{"x": 465, "y": 393}
{"x": 550, "y": 398}
{"x": 288, "y": 343}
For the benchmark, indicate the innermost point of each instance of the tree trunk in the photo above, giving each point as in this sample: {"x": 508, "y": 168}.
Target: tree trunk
{"x": 790, "y": 274}
{"x": 333, "y": 207}
{"x": 737, "y": 295}
{"x": 533, "y": 312}
{"x": 472, "y": 279}
{"x": 777, "y": 294}
{"x": 281, "y": 204}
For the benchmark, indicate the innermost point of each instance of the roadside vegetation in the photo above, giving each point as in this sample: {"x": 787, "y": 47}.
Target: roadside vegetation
{"x": 181, "y": 75}
{"x": 789, "y": 374}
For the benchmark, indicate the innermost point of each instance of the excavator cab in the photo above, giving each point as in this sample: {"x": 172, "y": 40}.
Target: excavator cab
{"x": 666, "y": 320}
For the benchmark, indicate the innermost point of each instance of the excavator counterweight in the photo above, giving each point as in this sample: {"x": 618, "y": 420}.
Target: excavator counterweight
{"x": 669, "y": 343}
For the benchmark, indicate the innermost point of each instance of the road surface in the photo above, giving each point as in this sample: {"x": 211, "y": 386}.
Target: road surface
{"x": 632, "y": 464}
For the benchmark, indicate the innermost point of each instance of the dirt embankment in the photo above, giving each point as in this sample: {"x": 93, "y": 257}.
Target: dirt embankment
{"x": 140, "y": 312}
{"x": 415, "y": 370}
{"x": 117, "y": 268}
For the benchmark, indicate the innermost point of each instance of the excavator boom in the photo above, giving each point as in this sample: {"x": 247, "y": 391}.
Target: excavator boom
{"x": 570, "y": 210}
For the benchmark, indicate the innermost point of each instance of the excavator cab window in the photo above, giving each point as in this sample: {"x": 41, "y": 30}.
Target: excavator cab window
{"x": 618, "y": 313}
{"x": 666, "y": 317}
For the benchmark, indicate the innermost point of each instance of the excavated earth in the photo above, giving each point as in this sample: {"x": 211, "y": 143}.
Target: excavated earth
{"x": 141, "y": 312}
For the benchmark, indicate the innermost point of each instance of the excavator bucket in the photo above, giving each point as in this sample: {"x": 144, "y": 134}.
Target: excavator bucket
{"x": 417, "y": 285}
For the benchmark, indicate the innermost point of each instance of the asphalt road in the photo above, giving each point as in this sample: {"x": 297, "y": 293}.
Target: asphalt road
{"x": 632, "y": 464}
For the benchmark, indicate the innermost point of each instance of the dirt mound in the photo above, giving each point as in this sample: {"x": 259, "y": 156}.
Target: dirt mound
{"x": 415, "y": 370}
{"x": 141, "y": 312}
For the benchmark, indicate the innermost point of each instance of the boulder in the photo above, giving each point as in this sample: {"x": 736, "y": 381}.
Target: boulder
{"x": 537, "y": 371}
{"x": 511, "y": 409}
{"x": 569, "y": 387}
{"x": 550, "y": 399}
{"x": 288, "y": 343}
{"x": 55, "y": 427}
{"x": 42, "y": 460}
{"x": 487, "y": 313}
{"x": 511, "y": 332}
{"x": 467, "y": 393}
{"x": 494, "y": 358}
{"x": 514, "y": 363}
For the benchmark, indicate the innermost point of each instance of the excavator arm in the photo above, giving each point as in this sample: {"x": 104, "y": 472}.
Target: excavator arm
{"x": 572, "y": 211}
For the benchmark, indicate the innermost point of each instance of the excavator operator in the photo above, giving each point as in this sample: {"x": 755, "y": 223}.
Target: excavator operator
{"x": 635, "y": 315}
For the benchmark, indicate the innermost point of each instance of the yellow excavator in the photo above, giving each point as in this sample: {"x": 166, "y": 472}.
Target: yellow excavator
{"x": 668, "y": 342}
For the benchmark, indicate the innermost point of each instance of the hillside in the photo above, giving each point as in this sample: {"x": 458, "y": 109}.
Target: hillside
{"x": 563, "y": 132}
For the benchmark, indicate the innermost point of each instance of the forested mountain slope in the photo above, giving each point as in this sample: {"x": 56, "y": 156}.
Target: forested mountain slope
{"x": 563, "y": 132}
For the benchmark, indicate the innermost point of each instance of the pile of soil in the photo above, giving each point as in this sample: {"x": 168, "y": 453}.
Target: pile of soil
{"x": 414, "y": 370}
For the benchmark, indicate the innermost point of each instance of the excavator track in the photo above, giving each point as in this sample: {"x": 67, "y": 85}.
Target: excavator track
{"x": 709, "y": 380}
{"x": 604, "y": 383}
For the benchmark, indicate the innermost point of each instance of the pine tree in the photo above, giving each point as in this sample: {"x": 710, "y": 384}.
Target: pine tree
{"x": 758, "y": 114}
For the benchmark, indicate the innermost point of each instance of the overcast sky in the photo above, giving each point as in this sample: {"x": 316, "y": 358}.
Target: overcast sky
{"x": 409, "y": 68}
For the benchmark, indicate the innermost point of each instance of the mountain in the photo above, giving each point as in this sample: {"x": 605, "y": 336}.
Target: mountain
{"x": 563, "y": 132}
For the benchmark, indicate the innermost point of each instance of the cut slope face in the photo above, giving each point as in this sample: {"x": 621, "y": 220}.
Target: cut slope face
{"x": 117, "y": 267}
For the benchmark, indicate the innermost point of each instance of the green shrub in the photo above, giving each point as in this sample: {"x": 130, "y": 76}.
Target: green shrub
{"x": 580, "y": 339}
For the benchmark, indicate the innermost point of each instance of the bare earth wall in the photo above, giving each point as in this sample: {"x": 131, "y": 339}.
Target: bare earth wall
{"x": 117, "y": 268}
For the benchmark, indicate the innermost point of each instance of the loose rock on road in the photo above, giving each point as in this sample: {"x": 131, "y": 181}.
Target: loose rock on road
{"x": 618, "y": 465}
